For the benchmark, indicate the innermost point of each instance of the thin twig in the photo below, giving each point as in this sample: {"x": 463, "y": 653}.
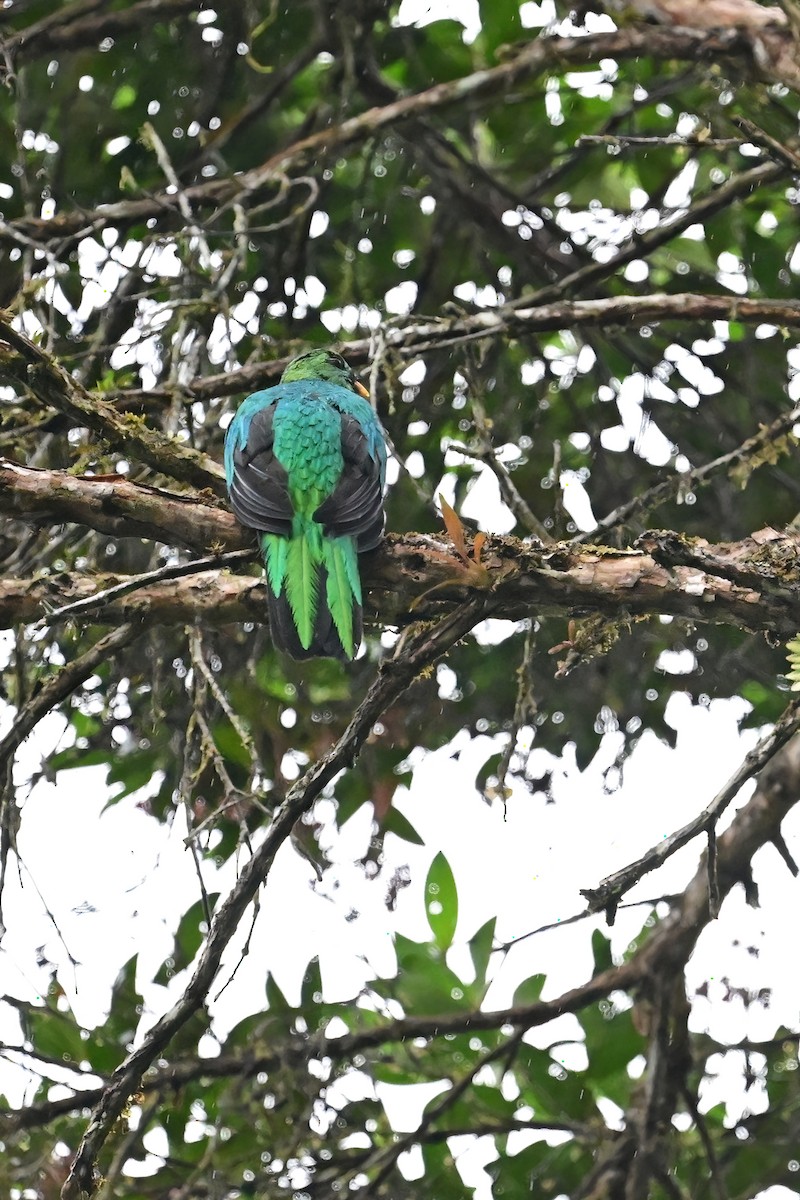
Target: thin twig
{"x": 176, "y": 571}
{"x": 485, "y": 84}
{"x": 524, "y": 515}
{"x": 73, "y": 961}
{"x": 624, "y": 140}
{"x": 50, "y": 695}
{"x": 387, "y": 1157}
{"x": 200, "y": 664}
{"x": 583, "y": 915}
{"x": 640, "y": 245}
{"x": 715, "y": 1171}
{"x": 57, "y": 689}
{"x": 713, "y": 878}
{"x": 409, "y": 338}
{"x": 607, "y": 894}
{"x": 524, "y": 712}
{"x": 785, "y": 155}
{"x": 682, "y": 482}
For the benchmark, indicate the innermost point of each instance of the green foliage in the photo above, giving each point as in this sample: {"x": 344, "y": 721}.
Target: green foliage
{"x": 441, "y": 901}
{"x": 168, "y": 236}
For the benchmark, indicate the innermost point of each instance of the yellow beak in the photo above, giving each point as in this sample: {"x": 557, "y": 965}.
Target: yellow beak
{"x": 362, "y": 391}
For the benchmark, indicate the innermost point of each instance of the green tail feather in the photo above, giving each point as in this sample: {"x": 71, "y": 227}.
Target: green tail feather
{"x": 275, "y": 548}
{"x": 305, "y": 620}
{"x": 343, "y": 587}
{"x": 302, "y": 582}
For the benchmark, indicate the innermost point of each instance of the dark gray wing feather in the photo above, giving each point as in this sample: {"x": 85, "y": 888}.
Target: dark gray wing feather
{"x": 259, "y": 489}
{"x": 355, "y": 506}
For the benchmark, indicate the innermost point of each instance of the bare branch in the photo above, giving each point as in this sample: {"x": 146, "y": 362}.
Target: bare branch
{"x": 385, "y": 1158}
{"x": 751, "y": 584}
{"x": 667, "y": 489}
{"x": 32, "y": 368}
{"x": 607, "y": 894}
{"x": 491, "y": 84}
{"x": 62, "y": 685}
{"x": 51, "y": 694}
{"x": 81, "y": 25}
{"x": 115, "y": 505}
{"x": 641, "y": 244}
{"x": 408, "y": 339}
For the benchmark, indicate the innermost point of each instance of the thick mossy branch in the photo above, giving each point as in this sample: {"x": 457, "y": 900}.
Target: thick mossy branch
{"x": 115, "y": 505}
{"x": 26, "y": 366}
{"x": 752, "y": 584}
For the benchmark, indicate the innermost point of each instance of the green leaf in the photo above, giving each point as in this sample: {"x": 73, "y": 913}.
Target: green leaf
{"x": 549, "y": 1087}
{"x": 311, "y": 988}
{"x": 54, "y": 1033}
{"x": 425, "y": 984}
{"x": 401, "y": 827}
{"x": 529, "y": 991}
{"x": 500, "y": 25}
{"x": 481, "y": 944}
{"x": 541, "y": 1170}
{"x": 276, "y": 1001}
{"x": 612, "y": 1042}
{"x": 441, "y": 901}
{"x": 601, "y": 950}
{"x": 188, "y": 939}
{"x": 124, "y": 97}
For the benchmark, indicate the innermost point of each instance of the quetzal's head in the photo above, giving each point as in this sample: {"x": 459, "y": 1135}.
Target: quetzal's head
{"x": 327, "y": 365}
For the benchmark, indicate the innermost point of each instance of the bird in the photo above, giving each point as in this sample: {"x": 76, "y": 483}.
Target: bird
{"x": 305, "y": 464}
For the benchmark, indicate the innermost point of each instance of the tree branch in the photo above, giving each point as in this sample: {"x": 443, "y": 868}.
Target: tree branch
{"x": 51, "y": 694}
{"x": 641, "y": 244}
{"x": 752, "y": 584}
{"x": 491, "y": 84}
{"x": 607, "y": 895}
{"x": 744, "y": 456}
{"x": 408, "y": 339}
{"x": 669, "y": 946}
{"x": 32, "y": 368}
{"x": 115, "y": 505}
{"x": 384, "y": 1159}
{"x": 62, "y": 685}
{"x": 215, "y": 597}
{"x": 395, "y": 676}
{"x": 78, "y": 25}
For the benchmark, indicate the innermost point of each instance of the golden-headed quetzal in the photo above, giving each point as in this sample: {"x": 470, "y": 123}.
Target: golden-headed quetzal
{"x": 305, "y": 463}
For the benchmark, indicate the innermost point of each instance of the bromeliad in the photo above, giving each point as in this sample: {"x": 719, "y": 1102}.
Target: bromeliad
{"x": 305, "y": 463}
